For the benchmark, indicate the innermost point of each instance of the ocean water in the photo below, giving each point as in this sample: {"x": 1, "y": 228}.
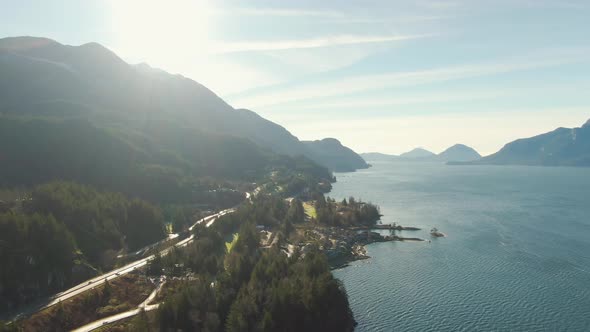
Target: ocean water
{"x": 516, "y": 256}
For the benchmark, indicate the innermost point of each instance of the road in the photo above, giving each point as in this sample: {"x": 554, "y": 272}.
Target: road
{"x": 95, "y": 325}
{"x": 124, "y": 315}
{"x": 97, "y": 281}
{"x": 130, "y": 267}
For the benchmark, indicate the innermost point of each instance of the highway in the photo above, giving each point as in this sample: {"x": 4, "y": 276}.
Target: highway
{"x": 98, "y": 280}
{"x": 95, "y": 325}
{"x": 123, "y": 315}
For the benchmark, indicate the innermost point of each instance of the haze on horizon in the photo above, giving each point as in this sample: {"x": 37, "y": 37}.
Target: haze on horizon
{"x": 383, "y": 76}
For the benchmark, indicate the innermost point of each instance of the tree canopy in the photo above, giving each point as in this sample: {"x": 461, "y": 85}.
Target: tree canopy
{"x": 37, "y": 254}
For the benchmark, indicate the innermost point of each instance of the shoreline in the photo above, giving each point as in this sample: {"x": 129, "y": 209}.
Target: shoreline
{"x": 393, "y": 226}
{"x": 361, "y": 254}
{"x": 345, "y": 245}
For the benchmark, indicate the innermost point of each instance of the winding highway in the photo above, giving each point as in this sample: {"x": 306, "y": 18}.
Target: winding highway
{"x": 97, "y": 281}
{"x": 130, "y": 267}
{"x": 123, "y": 315}
{"x": 112, "y": 319}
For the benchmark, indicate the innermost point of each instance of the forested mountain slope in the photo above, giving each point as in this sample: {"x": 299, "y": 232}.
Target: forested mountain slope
{"x": 41, "y": 77}
{"x": 561, "y": 147}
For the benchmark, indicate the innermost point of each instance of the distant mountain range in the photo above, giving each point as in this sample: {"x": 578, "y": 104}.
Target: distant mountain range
{"x": 457, "y": 152}
{"x": 417, "y": 153}
{"x": 561, "y": 147}
{"x": 378, "y": 156}
{"x": 43, "y": 78}
{"x": 331, "y": 153}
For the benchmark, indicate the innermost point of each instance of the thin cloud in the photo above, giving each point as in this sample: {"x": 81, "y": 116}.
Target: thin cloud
{"x": 376, "y": 102}
{"x": 330, "y": 16}
{"x": 252, "y": 46}
{"x": 370, "y": 82}
{"x": 283, "y": 12}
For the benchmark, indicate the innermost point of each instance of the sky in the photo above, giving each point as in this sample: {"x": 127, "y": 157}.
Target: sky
{"x": 383, "y": 75}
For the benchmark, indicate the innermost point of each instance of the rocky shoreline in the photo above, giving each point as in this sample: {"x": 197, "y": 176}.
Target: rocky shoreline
{"x": 345, "y": 245}
{"x": 359, "y": 252}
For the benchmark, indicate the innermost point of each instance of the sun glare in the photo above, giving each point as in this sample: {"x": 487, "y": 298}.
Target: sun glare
{"x": 177, "y": 36}
{"x": 161, "y": 28}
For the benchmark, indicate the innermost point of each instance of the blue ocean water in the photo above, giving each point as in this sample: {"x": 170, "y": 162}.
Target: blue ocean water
{"x": 516, "y": 256}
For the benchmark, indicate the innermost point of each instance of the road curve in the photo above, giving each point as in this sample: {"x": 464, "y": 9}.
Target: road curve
{"x": 97, "y": 281}
{"x": 109, "y": 320}
{"x": 123, "y": 315}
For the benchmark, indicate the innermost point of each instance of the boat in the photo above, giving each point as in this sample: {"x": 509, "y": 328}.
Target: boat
{"x": 436, "y": 233}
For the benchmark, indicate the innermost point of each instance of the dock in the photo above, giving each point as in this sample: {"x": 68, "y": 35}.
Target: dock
{"x": 393, "y": 226}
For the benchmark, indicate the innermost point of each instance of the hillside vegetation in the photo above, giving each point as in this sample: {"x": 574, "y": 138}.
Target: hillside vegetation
{"x": 43, "y": 78}
{"x": 561, "y": 147}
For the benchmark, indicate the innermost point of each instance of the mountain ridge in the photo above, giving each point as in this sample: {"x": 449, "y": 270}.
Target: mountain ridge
{"x": 91, "y": 79}
{"x": 457, "y": 152}
{"x": 331, "y": 153}
{"x": 560, "y": 147}
{"x": 417, "y": 153}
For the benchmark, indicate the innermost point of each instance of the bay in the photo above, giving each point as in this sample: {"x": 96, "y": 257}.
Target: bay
{"x": 516, "y": 256}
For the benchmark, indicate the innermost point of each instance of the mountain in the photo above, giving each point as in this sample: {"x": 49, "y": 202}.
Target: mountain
{"x": 331, "y": 153}
{"x": 41, "y": 77}
{"x": 417, "y": 153}
{"x": 377, "y": 156}
{"x": 80, "y": 113}
{"x": 458, "y": 152}
{"x": 561, "y": 147}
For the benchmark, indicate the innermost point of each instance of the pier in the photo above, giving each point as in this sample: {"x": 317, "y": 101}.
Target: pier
{"x": 393, "y": 226}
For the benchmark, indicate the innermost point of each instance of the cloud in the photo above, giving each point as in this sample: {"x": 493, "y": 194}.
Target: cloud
{"x": 249, "y": 46}
{"x": 354, "y": 84}
{"x": 376, "y": 102}
{"x": 330, "y": 16}
{"x": 282, "y": 12}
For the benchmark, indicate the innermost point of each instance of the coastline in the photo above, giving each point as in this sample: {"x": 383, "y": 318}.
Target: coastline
{"x": 345, "y": 245}
{"x": 360, "y": 253}
{"x": 357, "y": 238}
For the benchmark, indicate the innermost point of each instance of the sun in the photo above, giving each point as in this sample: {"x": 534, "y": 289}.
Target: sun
{"x": 159, "y": 28}
{"x": 179, "y": 36}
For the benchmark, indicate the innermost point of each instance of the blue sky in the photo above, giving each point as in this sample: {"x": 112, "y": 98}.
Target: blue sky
{"x": 378, "y": 75}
